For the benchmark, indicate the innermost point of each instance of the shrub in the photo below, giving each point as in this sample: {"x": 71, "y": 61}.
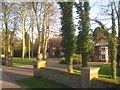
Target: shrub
{"x": 62, "y": 61}
{"x": 75, "y": 60}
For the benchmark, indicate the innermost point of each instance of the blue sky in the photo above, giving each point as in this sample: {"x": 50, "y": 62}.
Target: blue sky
{"x": 96, "y": 11}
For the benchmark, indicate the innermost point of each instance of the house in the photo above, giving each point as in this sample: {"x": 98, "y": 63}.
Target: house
{"x": 54, "y": 47}
{"x": 100, "y": 52}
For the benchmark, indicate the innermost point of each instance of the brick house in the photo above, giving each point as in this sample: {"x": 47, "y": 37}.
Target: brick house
{"x": 54, "y": 44}
{"x": 100, "y": 52}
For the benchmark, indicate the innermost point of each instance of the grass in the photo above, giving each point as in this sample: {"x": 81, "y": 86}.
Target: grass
{"x": 19, "y": 62}
{"x": 104, "y": 72}
{"x": 34, "y": 82}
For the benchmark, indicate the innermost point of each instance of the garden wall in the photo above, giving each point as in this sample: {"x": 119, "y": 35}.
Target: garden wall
{"x": 101, "y": 83}
{"x": 87, "y": 79}
{"x": 60, "y": 76}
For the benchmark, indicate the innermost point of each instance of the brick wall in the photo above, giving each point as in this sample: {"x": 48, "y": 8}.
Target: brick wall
{"x": 87, "y": 79}
{"x": 101, "y": 83}
{"x": 69, "y": 79}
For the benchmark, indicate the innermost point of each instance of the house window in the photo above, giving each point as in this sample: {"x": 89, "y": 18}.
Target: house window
{"x": 103, "y": 49}
{"x": 53, "y": 53}
{"x": 62, "y": 53}
{"x": 103, "y": 56}
{"x": 53, "y": 48}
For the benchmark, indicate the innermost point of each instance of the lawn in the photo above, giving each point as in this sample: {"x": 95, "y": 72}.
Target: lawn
{"x": 104, "y": 72}
{"x": 19, "y": 62}
{"x": 34, "y": 82}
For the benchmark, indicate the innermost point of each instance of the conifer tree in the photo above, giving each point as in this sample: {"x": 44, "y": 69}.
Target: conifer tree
{"x": 113, "y": 45}
{"x": 68, "y": 33}
{"x": 84, "y": 39}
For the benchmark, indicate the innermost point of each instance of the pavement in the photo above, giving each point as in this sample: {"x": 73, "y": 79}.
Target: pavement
{"x": 11, "y": 74}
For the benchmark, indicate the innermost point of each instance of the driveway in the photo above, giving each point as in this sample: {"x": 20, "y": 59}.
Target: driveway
{"x": 54, "y": 62}
{"x": 11, "y": 74}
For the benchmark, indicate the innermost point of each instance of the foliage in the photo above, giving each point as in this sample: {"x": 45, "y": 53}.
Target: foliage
{"x": 57, "y": 52}
{"x": 113, "y": 45}
{"x": 17, "y": 53}
{"x": 84, "y": 39}
{"x": 76, "y": 60}
{"x": 100, "y": 33}
{"x": 40, "y": 83}
{"x": 68, "y": 32}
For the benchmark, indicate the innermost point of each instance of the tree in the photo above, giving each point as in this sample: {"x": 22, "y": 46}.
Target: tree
{"x": 118, "y": 17}
{"x": 23, "y": 8}
{"x": 32, "y": 32}
{"x": 68, "y": 33}
{"x": 99, "y": 33}
{"x": 38, "y": 6}
{"x": 118, "y": 56}
{"x": 49, "y": 12}
{"x": 9, "y": 25}
{"x": 84, "y": 39}
{"x": 113, "y": 45}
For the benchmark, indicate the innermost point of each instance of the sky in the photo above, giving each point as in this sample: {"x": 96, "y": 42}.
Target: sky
{"x": 96, "y": 12}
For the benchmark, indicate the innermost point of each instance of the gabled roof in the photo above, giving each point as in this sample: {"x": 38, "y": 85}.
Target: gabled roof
{"x": 100, "y": 42}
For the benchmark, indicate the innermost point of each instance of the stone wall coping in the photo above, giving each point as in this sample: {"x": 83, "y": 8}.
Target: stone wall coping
{"x": 41, "y": 61}
{"x": 58, "y": 70}
{"x": 90, "y": 69}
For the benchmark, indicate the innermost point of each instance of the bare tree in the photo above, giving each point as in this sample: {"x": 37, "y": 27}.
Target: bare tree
{"x": 35, "y": 8}
{"x": 23, "y": 11}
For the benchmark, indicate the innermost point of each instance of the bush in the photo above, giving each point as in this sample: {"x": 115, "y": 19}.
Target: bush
{"x": 75, "y": 61}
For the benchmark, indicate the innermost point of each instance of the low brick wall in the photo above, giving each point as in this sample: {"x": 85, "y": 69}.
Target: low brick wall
{"x": 87, "y": 79}
{"x": 101, "y": 83}
{"x": 58, "y": 75}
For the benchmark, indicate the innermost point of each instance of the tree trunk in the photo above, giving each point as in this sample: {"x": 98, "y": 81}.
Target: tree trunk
{"x": 44, "y": 35}
{"x": 84, "y": 60}
{"x": 45, "y": 49}
{"x": 38, "y": 28}
{"x": 6, "y": 28}
{"x": 32, "y": 32}
{"x": 118, "y": 56}
{"x": 113, "y": 51}
{"x": 23, "y": 31}
{"x": 70, "y": 68}
{"x": 113, "y": 45}
{"x": 9, "y": 47}
{"x": 32, "y": 41}
{"x": 39, "y": 44}
{"x": 119, "y": 19}
{"x": 29, "y": 45}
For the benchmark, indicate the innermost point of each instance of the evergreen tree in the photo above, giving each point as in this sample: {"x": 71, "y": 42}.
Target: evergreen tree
{"x": 118, "y": 56}
{"x": 113, "y": 45}
{"x": 84, "y": 40}
{"x": 68, "y": 33}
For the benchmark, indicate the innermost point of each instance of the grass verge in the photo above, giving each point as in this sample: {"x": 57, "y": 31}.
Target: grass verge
{"x": 104, "y": 72}
{"x": 19, "y": 62}
{"x": 34, "y": 82}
